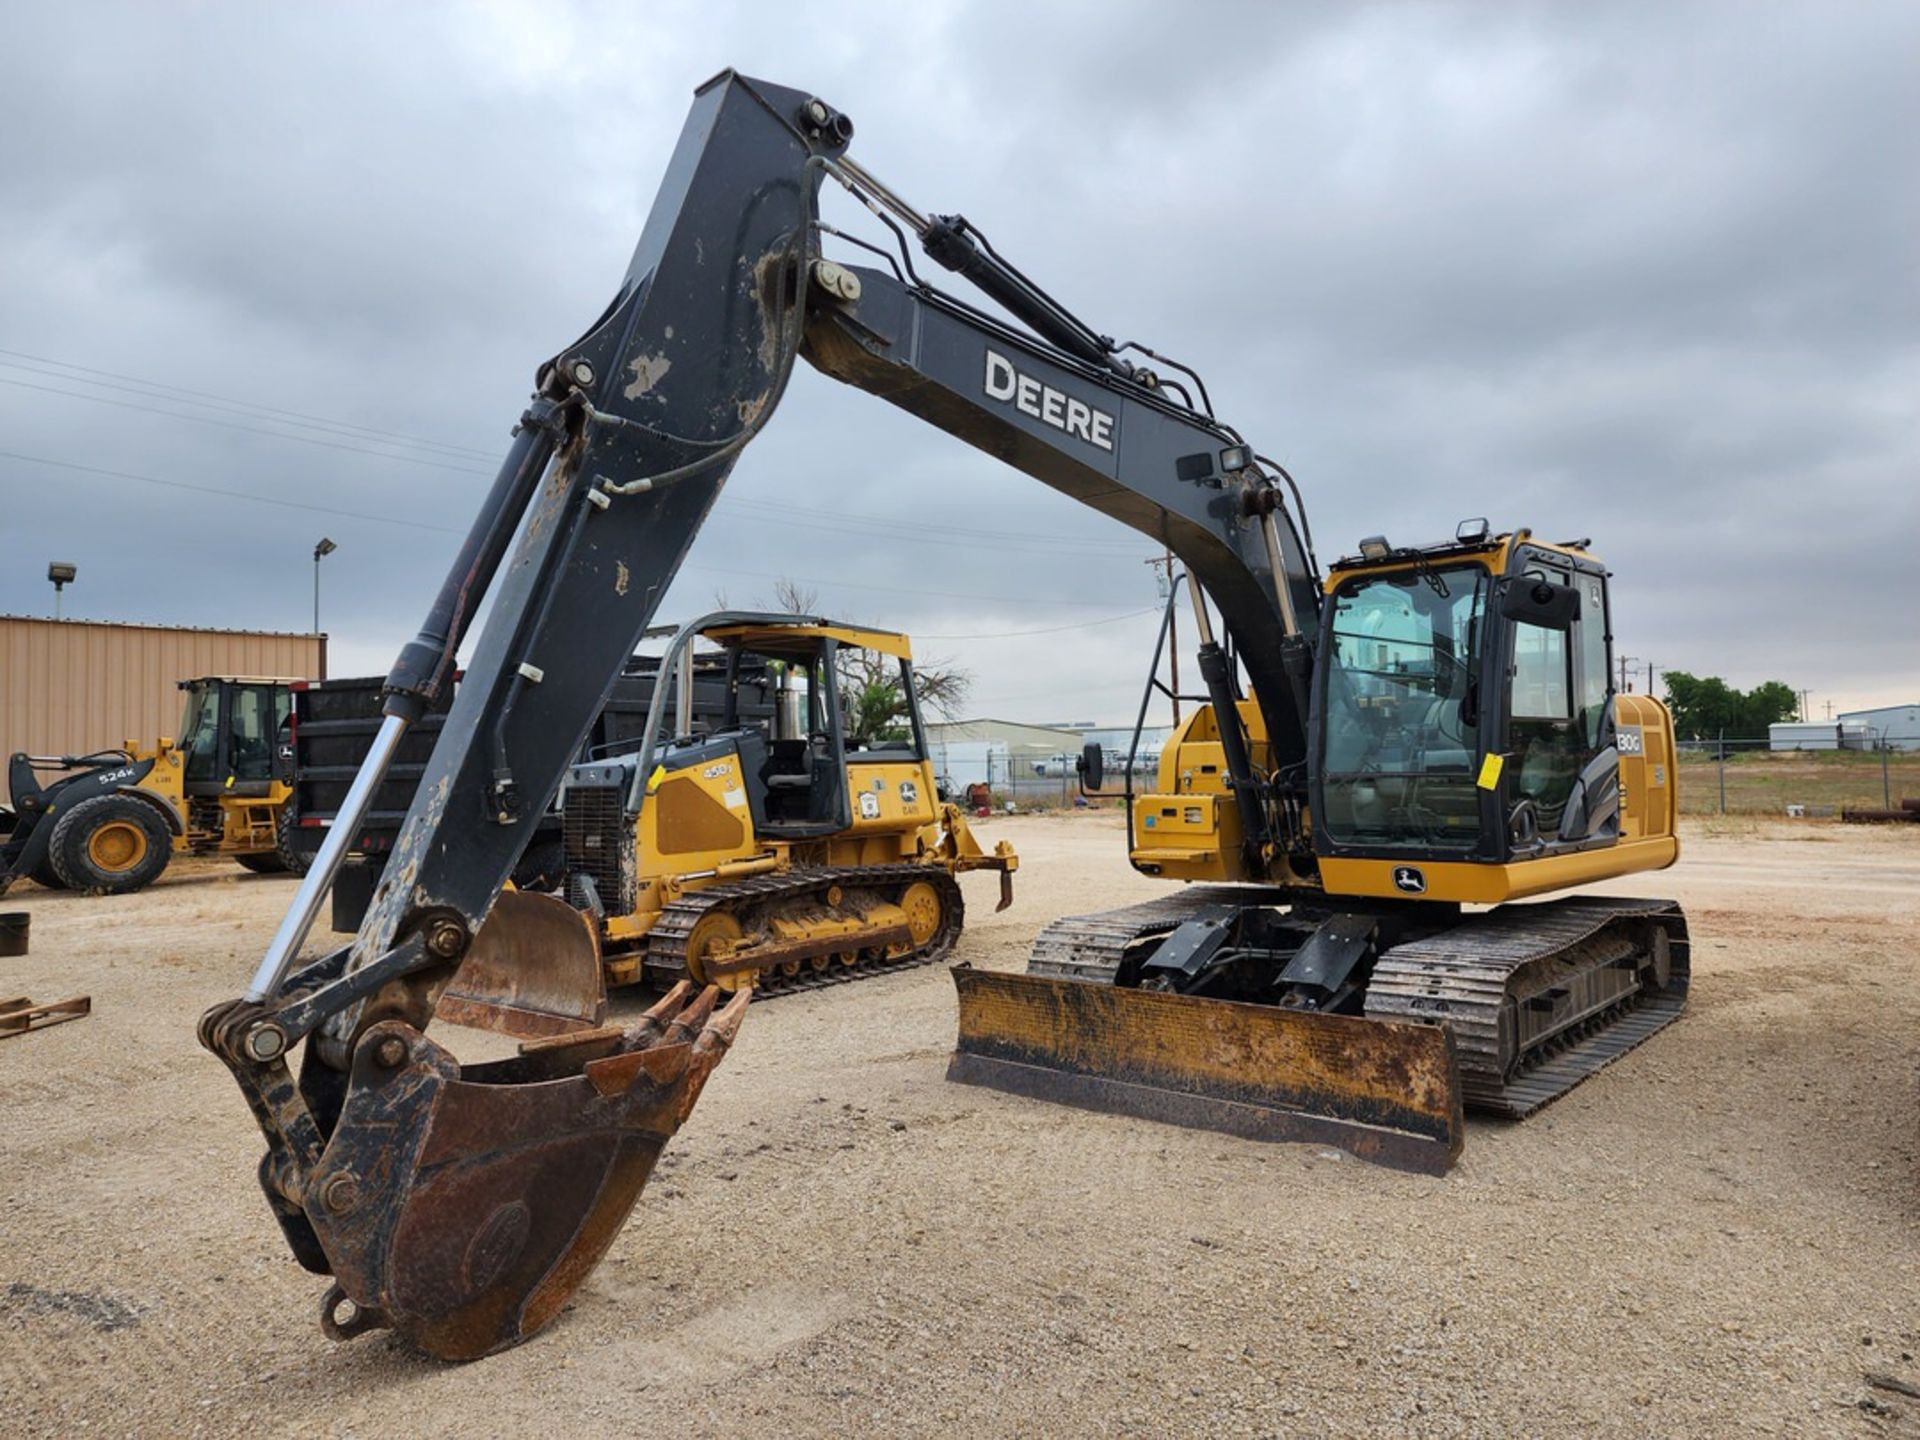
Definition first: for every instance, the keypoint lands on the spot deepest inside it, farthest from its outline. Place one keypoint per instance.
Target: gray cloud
(1641, 273)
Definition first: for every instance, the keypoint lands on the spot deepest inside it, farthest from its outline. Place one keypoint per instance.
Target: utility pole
(1804, 716)
(1626, 660)
(1164, 564)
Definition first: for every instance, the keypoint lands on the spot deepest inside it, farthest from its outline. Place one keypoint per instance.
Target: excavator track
(1538, 996)
(1093, 947)
(760, 897)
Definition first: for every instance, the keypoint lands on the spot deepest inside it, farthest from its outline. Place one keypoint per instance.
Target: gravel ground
(1716, 1236)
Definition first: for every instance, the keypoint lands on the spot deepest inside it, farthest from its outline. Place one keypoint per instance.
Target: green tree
(1705, 707)
(1766, 705)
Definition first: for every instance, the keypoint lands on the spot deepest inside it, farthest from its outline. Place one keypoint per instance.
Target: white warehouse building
(1898, 726)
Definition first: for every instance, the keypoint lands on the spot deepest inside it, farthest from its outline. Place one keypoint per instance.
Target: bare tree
(872, 701)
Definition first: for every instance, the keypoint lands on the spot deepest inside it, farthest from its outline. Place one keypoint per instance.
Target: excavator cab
(1469, 744)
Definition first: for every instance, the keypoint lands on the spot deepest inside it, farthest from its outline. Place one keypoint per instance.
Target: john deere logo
(1409, 879)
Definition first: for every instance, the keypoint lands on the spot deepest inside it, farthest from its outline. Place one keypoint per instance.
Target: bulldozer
(775, 849)
(1382, 751)
(113, 819)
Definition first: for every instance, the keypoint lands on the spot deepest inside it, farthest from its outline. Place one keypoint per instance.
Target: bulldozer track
(1538, 996)
(666, 947)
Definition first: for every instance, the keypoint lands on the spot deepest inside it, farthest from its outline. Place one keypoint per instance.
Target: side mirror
(1533, 601)
(1092, 767)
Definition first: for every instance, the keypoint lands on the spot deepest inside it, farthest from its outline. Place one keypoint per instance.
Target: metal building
(1804, 735)
(1898, 726)
(71, 686)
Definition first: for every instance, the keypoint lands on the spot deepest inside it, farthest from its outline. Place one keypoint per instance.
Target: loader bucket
(462, 1206)
(1386, 1091)
(532, 971)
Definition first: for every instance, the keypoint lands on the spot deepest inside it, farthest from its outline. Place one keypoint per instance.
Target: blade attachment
(1385, 1092)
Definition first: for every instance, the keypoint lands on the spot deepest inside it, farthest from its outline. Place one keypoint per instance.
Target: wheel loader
(773, 848)
(112, 821)
(1383, 750)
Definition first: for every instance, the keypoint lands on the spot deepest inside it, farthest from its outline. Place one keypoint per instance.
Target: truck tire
(110, 845)
(293, 860)
(262, 862)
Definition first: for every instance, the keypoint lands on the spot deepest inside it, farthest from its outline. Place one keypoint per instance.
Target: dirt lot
(1716, 1236)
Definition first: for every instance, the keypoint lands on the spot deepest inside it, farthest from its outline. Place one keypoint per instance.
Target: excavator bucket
(532, 971)
(461, 1206)
(1386, 1091)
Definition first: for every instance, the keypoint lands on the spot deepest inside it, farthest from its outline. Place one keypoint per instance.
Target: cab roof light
(1472, 532)
(1375, 547)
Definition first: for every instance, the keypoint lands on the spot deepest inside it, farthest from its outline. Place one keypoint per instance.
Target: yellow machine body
(232, 824)
(702, 879)
(1465, 748)
(1188, 827)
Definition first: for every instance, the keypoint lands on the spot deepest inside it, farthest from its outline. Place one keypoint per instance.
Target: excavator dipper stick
(461, 1205)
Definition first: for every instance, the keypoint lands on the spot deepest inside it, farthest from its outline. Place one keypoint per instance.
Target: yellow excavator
(778, 844)
(113, 819)
(1422, 729)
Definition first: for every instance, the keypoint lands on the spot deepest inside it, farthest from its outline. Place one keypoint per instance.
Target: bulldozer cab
(228, 734)
(839, 748)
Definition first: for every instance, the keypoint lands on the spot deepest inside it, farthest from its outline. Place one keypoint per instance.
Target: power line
(1050, 630)
(873, 528)
(449, 530)
(243, 406)
(825, 519)
(919, 528)
(838, 584)
(249, 429)
(227, 494)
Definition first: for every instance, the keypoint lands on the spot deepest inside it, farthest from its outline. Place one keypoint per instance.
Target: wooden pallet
(18, 1014)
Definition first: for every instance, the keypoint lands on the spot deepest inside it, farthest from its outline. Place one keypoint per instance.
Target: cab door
(1561, 770)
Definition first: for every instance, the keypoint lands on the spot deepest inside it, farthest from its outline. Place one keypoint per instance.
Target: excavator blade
(1387, 1092)
(532, 971)
(462, 1206)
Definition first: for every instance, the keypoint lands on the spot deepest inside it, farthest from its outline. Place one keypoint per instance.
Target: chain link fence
(1745, 776)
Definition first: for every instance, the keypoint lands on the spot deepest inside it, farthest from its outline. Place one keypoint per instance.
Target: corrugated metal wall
(70, 686)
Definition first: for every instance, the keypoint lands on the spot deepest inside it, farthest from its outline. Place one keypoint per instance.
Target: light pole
(325, 547)
(61, 573)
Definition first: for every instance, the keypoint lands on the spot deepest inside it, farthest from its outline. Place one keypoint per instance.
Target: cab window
(1593, 674)
(1556, 706)
(1402, 709)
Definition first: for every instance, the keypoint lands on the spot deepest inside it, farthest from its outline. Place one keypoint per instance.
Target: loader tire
(110, 845)
(44, 875)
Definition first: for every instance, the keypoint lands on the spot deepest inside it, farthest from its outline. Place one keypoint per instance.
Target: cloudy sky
(1639, 273)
